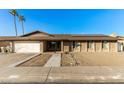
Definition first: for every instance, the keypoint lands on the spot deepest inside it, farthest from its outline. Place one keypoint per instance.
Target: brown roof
(86, 37)
(60, 37)
(34, 32)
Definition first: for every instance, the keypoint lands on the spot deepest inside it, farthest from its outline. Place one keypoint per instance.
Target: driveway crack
(48, 74)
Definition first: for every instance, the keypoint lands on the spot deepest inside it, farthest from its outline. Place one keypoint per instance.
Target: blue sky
(65, 21)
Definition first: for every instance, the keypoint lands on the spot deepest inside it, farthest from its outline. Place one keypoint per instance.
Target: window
(105, 44)
(75, 44)
(90, 44)
(120, 46)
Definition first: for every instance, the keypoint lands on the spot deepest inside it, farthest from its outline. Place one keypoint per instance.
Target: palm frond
(21, 18)
(13, 12)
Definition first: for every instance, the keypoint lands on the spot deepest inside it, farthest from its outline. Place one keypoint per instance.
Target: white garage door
(27, 47)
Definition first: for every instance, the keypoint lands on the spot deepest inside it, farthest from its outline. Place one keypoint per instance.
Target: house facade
(40, 42)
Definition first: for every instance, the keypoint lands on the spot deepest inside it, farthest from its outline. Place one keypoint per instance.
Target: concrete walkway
(54, 61)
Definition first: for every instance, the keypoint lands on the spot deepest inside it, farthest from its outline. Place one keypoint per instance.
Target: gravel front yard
(100, 59)
(93, 59)
(67, 60)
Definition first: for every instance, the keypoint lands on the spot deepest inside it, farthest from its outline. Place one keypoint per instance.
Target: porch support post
(61, 46)
(72, 46)
(12, 47)
(41, 47)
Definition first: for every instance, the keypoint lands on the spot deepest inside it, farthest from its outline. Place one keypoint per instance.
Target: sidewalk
(54, 61)
(84, 74)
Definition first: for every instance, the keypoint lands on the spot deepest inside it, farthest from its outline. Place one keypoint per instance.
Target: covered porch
(58, 46)
(52, 46)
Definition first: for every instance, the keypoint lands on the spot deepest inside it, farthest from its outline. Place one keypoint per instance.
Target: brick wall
(113, 47)
(98, 46)
(66, 45)
(84, 46)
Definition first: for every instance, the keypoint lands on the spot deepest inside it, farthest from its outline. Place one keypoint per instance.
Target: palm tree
(14, 13)
(22, 19)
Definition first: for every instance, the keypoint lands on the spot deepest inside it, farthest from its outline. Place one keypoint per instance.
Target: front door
(53, 46)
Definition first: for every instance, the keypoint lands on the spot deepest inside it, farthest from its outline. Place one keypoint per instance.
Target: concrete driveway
(9, 59)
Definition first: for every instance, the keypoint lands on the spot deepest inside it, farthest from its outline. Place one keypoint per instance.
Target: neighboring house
(120, 42)
(4, 45)
(39, 42)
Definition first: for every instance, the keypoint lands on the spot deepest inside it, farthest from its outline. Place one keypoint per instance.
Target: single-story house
(39, 42)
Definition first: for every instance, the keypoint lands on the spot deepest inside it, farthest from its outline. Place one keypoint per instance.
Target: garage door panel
(27, 47)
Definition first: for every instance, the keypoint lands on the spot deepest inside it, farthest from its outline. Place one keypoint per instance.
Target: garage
(27, 47)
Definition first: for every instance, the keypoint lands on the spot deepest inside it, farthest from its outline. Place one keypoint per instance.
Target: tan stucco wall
(98, 46)
(113, 46)
(66, 45)
(83, 46)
